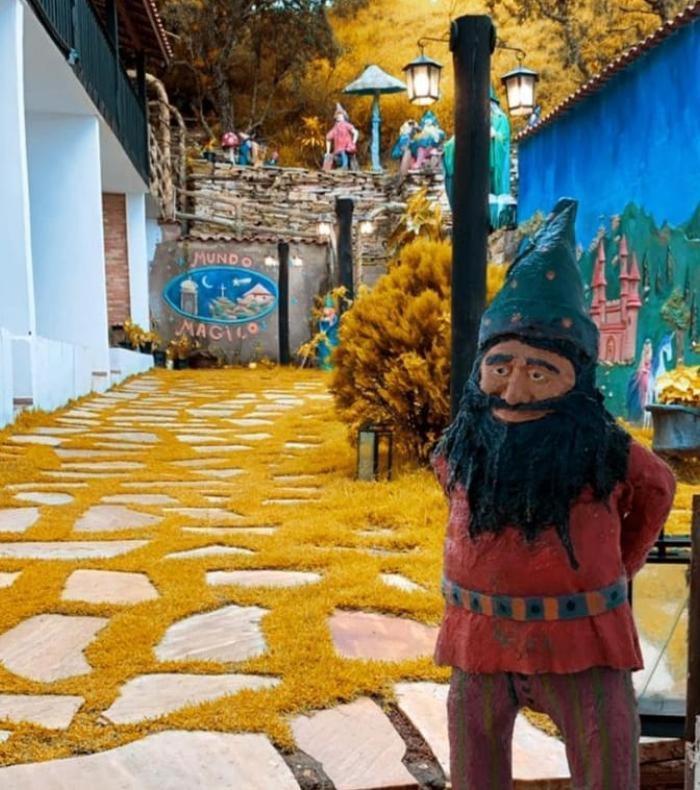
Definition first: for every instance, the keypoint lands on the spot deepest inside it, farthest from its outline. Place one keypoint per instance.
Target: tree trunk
(224, 100)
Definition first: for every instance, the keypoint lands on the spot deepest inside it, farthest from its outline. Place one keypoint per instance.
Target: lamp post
(472, 40)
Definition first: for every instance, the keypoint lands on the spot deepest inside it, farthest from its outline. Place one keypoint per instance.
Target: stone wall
(291, 202)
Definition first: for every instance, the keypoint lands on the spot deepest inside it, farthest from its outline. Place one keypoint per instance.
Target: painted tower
(188, 296)
(616, 319)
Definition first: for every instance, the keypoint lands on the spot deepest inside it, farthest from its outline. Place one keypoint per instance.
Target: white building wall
(16, 294)
(137, 246)
(67, 235)
(6, 387)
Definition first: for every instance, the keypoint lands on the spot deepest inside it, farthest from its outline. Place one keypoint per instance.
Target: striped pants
(595, 711)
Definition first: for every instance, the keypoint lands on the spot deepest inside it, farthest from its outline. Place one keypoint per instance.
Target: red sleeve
(651, 486)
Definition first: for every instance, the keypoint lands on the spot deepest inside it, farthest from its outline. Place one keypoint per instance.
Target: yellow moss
(323, 535)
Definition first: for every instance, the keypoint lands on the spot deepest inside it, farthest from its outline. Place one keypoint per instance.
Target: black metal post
(283, 303)
(692, 699)
(472, 41)
(343, 210)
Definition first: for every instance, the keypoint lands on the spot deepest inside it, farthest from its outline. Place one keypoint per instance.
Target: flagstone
(223, 473)
(215, 550)
(263, 578)
(319, 396)
(45, 485)
(102, 518)
(425, 704)
(206, 513)
(197, 438)
(118, 446)
(226, 531)
(18, 519)
(356, 745)
(294, 477)
(75, 475)
(96, 586)
(380, 636)
(68, 550)
(217, 500)
(8, 579)
(44, 498)
(79, 413)
(28, 438)
(66, 453)
(250, 421)
(397, 580)
(208, 448)
(47, 710)
(380, 532)
(4, 735)
(174, 760)
(49, 647)
(231, 633)
(151, 696)
(104, 466)
(51, 430)
(301, 445)
(129, 436)
(300, 489)
(376, 552)
(139, 499)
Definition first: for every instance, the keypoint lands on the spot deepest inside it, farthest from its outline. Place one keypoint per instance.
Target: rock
(380, 636)
(117, 587)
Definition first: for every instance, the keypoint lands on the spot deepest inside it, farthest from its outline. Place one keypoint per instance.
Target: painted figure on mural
(341, 143)
(553, 509)
(640, 388)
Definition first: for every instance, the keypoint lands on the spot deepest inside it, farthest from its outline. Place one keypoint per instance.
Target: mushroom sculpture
(373, 82)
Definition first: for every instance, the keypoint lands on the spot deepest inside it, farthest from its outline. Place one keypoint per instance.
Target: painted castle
(616, 319)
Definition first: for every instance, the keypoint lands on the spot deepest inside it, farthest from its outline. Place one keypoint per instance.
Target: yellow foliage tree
(393, 362)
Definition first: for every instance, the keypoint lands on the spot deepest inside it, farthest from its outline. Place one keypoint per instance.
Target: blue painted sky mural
(221, 295)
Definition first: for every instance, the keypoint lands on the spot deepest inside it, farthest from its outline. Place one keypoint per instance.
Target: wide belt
(538, 607)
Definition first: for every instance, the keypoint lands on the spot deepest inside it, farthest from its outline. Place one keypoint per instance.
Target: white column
(16, 294)
(138, 258)
(67, 234)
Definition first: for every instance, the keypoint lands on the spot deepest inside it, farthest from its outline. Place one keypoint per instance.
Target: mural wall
(630, 154)
(225, 295)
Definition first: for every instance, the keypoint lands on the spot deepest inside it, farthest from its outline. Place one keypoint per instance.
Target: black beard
(529, 474)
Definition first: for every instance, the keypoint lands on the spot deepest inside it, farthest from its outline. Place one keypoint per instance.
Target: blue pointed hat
(543, 297)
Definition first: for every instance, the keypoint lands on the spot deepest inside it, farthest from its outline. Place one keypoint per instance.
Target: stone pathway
(142, 584)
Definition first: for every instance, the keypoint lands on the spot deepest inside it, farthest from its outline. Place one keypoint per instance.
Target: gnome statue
(553, 509)
(341, 142)
(328, 326)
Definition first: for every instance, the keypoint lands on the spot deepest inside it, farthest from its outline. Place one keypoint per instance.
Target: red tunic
(609, 539)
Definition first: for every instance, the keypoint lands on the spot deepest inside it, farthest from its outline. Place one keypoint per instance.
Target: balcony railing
(77, 30)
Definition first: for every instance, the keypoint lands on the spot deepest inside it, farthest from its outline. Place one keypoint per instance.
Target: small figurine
(229, 143)
(420, 144)
(406, 134)
(208, 151)
(328, 325)
(341, 142)
(247, 149)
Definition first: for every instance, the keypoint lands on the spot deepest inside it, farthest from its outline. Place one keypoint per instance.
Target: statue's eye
(537, 375)
(501, 370)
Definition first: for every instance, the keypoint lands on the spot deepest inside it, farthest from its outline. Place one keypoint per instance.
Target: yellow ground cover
(319, 536)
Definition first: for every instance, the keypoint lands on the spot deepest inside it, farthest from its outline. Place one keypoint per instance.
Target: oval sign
(221, 295)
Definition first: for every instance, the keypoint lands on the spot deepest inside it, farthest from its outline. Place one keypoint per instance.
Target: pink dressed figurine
(341, 142)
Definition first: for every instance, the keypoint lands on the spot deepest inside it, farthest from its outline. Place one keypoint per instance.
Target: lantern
(270, 261)
(296, 260)
(375, 447)
(367, 227)
(520, 90)
(423, 80)
(325, 228)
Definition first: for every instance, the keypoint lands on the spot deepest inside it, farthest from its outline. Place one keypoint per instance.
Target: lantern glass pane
(513, 94)
(421, 82)
(527, 93)
(366, 444)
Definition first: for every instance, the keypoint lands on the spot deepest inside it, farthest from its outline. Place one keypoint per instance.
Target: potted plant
(676, 416)
(179, 351)
(148, 342)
